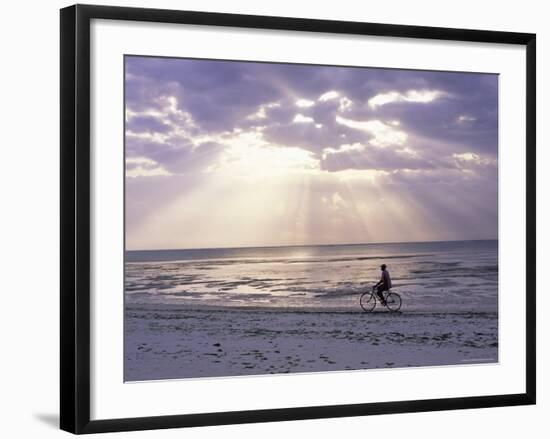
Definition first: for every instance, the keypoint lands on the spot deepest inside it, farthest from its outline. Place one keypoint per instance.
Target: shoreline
(299, 310)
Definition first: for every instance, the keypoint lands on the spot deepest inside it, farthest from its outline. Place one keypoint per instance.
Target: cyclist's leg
(379, 292)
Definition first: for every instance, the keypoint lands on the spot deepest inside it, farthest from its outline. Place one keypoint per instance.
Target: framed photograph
(268, 218)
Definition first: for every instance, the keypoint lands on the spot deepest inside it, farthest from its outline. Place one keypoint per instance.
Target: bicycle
(369, 298)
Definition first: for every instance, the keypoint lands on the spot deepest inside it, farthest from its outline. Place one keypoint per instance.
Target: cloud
(174, 154)
(174, 124)
(368, 157)
(476, 164)
(329, 95)
(382, 134)
(466, 157)
(222, 95)
(147, 124)
(344, 104)
(304, 103)
(302, 119)
(418, 96)
(465, 118)
(261, 113)
(144, 167)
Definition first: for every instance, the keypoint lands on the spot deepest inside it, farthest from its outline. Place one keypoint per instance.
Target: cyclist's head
(383, 267)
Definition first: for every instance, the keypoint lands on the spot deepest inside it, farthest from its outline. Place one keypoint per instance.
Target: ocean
(450, 276)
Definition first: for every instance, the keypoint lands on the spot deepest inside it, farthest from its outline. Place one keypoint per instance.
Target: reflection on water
(440, 276)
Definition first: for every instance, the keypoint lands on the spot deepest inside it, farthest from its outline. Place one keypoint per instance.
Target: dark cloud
(221, 94)
(177, 156)
(147, 124)
(217, 97)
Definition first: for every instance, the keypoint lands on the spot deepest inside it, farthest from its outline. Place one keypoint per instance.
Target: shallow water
(452, 276)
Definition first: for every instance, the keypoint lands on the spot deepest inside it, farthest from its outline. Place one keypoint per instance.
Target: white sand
(165, 341)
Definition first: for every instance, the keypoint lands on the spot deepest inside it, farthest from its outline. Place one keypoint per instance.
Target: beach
(166, 342)
(250, 311)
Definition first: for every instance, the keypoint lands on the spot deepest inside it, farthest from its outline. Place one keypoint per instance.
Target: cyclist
(384, 284)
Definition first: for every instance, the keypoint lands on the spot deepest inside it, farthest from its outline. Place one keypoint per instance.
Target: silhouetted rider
(384, 284)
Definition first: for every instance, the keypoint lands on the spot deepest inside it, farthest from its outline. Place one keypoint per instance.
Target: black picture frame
(75, 217)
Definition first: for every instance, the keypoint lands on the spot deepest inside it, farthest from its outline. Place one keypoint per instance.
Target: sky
(239, 154)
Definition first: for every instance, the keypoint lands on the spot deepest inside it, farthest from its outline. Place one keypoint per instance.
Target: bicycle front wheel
(367, 301)
(393, 302)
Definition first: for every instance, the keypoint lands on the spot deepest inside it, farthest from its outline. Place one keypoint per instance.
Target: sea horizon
(309, 245)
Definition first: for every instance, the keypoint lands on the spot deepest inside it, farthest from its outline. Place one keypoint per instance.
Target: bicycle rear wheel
(393, 302)
(367, 301)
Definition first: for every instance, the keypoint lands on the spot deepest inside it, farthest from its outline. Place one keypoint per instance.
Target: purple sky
(222, 153)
